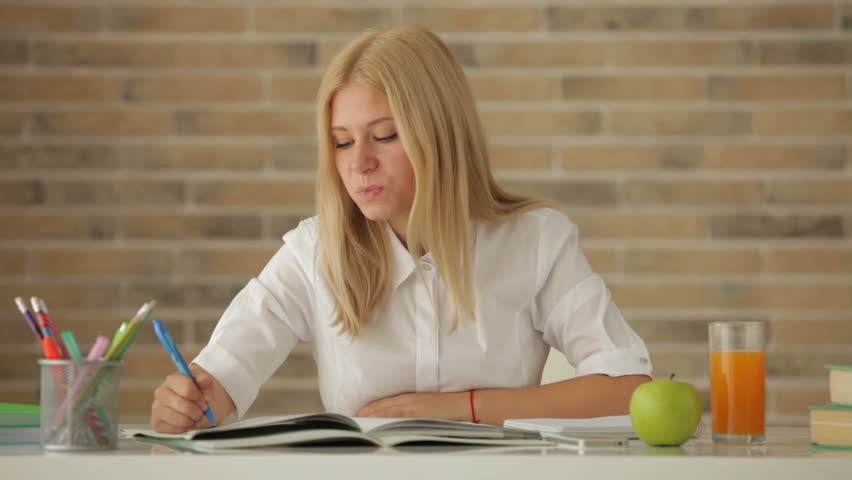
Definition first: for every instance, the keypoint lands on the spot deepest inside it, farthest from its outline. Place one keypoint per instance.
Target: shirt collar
(402, 263)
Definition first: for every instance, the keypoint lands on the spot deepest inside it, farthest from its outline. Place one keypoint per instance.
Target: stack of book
(831, 424)
(19, 423)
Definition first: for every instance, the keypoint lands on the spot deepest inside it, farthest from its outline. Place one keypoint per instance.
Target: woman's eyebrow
(369, 124)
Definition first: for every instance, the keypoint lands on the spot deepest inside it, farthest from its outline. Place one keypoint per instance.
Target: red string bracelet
(472, 410)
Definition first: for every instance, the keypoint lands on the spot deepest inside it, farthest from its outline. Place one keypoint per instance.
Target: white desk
(786, 455)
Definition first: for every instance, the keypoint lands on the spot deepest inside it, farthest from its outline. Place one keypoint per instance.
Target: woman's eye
(386, 139)
(343, 144)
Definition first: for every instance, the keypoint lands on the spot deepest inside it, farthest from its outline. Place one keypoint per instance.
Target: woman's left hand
(444, 406)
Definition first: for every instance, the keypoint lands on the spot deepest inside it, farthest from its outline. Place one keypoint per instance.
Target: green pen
(77, 356)
(119, 333)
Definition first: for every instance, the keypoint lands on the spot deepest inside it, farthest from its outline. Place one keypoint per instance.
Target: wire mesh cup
(79, 404)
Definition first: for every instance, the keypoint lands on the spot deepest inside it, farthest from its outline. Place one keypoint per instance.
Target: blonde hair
(438, 125)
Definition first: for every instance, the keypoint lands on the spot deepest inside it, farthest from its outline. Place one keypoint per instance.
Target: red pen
(51, 351)
(46, 324)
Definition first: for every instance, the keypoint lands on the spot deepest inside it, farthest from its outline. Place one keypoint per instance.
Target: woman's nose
(364, 161)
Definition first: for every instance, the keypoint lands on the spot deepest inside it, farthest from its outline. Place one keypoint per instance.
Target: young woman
(424, 288)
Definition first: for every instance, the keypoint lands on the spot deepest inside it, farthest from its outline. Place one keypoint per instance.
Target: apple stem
(672, 377)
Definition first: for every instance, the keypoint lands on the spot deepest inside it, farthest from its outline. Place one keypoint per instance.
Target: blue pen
(169, 344)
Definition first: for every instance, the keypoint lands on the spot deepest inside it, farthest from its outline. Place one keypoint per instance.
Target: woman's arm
(579, 397)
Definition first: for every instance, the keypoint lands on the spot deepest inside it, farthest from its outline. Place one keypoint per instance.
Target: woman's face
(370, 159)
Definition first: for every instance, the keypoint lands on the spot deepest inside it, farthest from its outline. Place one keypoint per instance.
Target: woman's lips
(371, 191)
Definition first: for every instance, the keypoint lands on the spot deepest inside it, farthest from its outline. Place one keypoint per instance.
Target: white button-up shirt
(534, 289)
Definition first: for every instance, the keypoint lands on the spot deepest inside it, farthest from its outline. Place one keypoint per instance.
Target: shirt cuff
(616, 363)
(234, 378)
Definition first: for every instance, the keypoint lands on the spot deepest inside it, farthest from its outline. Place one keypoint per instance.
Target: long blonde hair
(437, 122)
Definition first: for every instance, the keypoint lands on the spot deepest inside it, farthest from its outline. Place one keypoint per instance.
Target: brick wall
(159, 149)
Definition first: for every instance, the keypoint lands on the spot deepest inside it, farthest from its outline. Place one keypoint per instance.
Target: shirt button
(427, 267)
(643, 360)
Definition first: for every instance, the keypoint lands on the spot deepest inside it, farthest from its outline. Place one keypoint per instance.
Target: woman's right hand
(179, 404)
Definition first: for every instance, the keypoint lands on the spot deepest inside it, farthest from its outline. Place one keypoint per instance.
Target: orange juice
(738, 392)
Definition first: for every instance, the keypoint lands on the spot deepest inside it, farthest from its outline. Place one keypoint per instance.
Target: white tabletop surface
(786, 455)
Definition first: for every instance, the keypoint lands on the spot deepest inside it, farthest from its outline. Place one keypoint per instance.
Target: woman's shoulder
(543, 221)
(305, 230)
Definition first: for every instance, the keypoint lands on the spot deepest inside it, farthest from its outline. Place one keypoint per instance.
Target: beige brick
(603, 260)
(66, 295)
(231, 261)
(811, 121)
(28, 396)
(137, 401)
(13, 262)
(67, 225)
(532, 54)
(541, 122)
(639, 225)
(797, 399)
(71, 157)
(19, 366)
(11, 123)
(21, 192)
(47, 18)
(805, 52)
(268, 193)
(234, 54)
(619, 18)
(625, 156)
(281, 224)
(103, 122)
(846, 17)
(681, 364)
(570, 193)
(806, 16)
(176, 19)
(812, 191)
(194, 157)
(286, 402)
(776, 226)
(639, 294)
(774, 157)
(656, 330)
(812, 331)
(691, 122)
(631, 87)
(694, 192)
(13, 51)
(520, 156)
(152, 362)
(57, 88)
(102, 261)
(682, 53)
(803, 364)
(302, 88)
(193, 88)
(784, 296)
(227, 122)
(513, 87)
(189, 226)
(319, 19)
(692, 260)
(776, 87)
(809, 260)
(294, 157)
(121, 192)
(474, 19)
(212, 295)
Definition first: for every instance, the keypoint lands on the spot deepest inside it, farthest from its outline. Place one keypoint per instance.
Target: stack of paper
(616, 425)
(19, 423)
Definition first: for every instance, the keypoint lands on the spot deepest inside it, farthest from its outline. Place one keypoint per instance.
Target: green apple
(665, 412)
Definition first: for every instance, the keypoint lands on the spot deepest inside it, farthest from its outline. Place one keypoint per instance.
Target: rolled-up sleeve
(260, 327)
(576, 313)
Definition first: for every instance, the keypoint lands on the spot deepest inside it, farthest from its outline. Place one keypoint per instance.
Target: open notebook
(334, 429)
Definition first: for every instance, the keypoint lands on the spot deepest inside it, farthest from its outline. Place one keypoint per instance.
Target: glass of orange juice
(738, 381)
